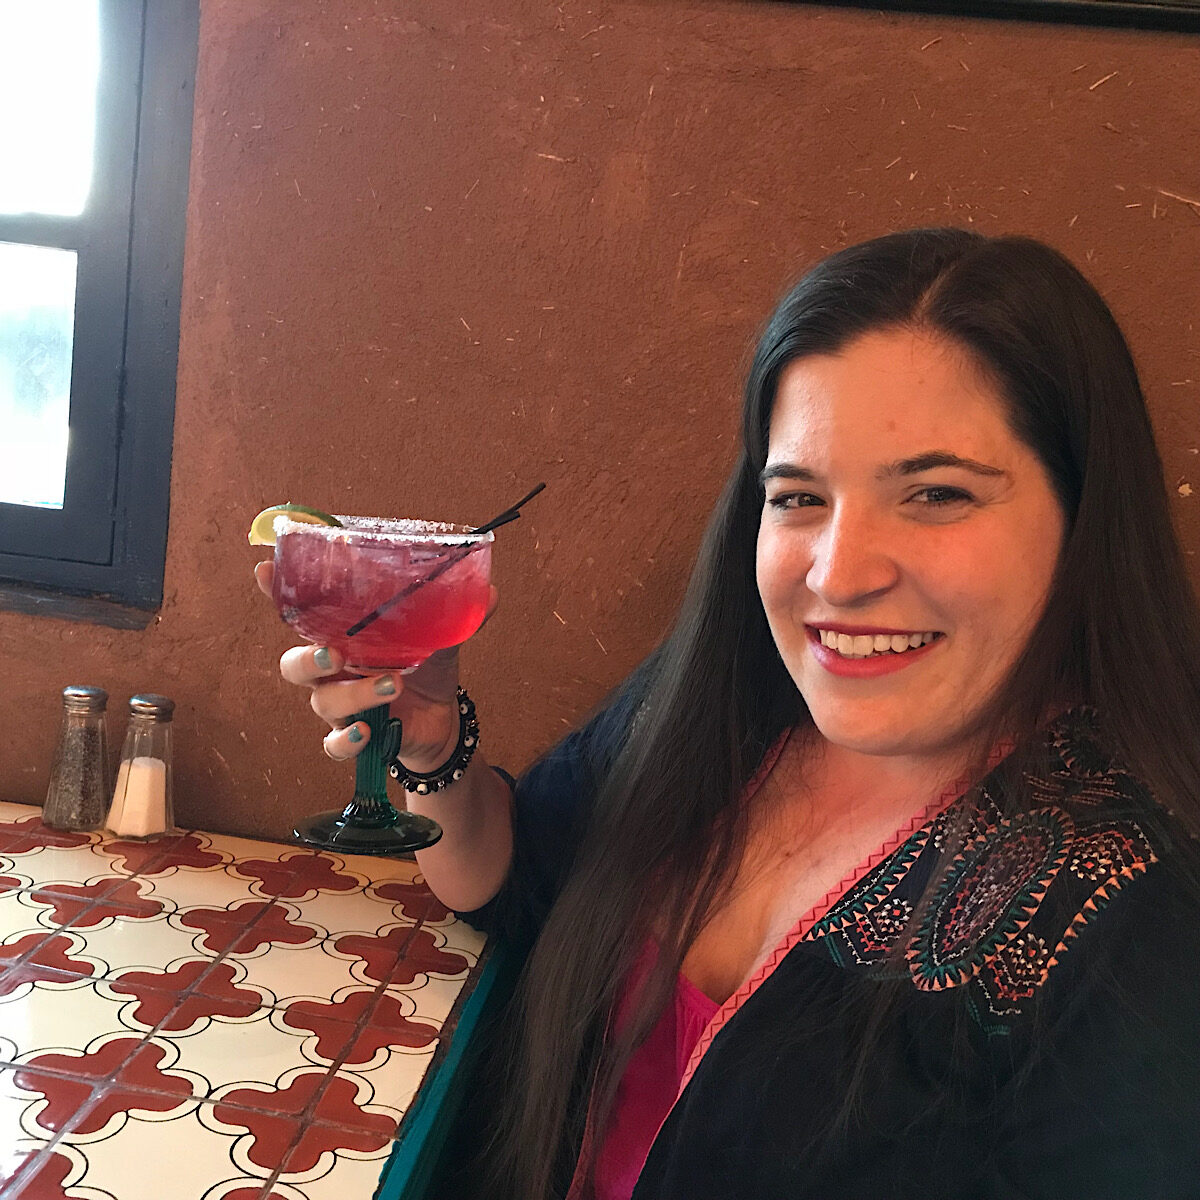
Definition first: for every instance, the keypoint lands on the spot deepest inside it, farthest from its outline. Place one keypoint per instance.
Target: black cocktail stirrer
(509, 514)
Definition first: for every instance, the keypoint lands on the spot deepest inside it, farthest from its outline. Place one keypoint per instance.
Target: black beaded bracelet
(453, 769)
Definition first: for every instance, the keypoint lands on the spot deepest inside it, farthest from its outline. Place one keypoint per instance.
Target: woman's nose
(853, 562)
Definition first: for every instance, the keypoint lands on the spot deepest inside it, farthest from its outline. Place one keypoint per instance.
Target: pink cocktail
(386, 594)
(429, 584)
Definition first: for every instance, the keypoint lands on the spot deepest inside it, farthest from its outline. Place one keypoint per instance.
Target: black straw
(509, 514)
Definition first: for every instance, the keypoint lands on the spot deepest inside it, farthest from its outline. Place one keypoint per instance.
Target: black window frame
(101, 557)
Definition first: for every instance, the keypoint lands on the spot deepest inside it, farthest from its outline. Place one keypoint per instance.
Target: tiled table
(210, 1018)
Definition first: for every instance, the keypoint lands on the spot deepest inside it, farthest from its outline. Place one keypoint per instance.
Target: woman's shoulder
(1063, 885)
(1085, 871)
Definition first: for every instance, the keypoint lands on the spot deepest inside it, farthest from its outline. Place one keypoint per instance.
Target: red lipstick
(863, 668)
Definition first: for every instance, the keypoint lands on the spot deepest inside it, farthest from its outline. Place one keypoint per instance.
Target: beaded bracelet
(453, 769)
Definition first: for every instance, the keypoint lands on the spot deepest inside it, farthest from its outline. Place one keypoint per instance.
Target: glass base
(332, 831)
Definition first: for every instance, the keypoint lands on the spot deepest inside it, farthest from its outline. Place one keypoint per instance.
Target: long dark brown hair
(1120, 631)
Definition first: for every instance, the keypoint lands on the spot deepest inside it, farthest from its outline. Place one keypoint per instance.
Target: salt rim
(385, 529)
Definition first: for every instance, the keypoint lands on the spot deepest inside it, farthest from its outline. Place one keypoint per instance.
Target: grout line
(16, 1185)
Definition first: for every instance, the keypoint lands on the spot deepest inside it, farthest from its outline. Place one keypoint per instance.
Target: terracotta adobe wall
(435, 257)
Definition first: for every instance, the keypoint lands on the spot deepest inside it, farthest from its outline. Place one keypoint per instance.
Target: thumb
(264, 576)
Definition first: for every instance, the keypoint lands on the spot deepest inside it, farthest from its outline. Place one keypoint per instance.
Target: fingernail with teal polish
(354, 734)
(322, 658)
(385, 685)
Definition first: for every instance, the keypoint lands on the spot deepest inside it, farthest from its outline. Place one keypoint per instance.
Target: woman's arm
(469, 865)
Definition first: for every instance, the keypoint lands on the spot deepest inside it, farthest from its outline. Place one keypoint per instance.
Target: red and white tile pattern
(209, 1017)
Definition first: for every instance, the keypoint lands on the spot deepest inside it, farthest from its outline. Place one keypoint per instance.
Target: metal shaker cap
(79, 699)
(152, 706)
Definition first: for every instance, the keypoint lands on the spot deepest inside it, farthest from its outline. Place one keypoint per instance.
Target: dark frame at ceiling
(1180, 16)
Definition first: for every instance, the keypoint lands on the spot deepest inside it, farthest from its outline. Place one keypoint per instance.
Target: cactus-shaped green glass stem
(369, 824)
(370, 805)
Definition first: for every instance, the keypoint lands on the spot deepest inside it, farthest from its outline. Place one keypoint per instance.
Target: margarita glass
(386, 594)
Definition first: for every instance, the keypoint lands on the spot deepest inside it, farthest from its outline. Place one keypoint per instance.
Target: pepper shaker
(141, 804)
(78, 792)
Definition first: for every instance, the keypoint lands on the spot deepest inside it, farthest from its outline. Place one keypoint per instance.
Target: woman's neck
(832, 782)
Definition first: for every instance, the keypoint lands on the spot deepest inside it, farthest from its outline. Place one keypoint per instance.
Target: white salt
(139, 807)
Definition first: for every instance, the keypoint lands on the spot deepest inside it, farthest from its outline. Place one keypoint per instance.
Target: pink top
(651, 1082)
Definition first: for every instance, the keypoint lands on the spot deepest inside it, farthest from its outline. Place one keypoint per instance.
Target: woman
(876, 878)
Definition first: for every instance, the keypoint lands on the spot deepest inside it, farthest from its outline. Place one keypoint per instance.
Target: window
(95, 124)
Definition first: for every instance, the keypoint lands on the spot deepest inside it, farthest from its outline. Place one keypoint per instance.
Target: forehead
(889, 393)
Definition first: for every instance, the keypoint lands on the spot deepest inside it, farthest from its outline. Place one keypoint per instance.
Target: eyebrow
(932, 459)
(929, 461)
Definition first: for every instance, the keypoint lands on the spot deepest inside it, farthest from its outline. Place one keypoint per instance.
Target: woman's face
(907, 542)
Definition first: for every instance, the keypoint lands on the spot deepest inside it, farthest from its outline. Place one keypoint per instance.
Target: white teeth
(864, 645)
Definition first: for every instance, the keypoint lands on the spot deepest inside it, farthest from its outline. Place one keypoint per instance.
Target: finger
(264, 575)
(308, 665)
(341, 744)
(334, 702)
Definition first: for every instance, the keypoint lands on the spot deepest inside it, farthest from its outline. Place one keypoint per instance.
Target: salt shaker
(78, 792)
(141, 803)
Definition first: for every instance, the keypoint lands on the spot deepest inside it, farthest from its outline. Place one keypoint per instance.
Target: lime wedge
(262, 528)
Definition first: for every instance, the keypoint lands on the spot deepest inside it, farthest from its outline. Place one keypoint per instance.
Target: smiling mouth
(866, 645)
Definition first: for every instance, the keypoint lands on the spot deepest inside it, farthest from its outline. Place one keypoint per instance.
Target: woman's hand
(424, 700)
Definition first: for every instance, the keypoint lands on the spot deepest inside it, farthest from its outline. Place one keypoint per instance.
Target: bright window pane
(49, 61)
(37, 319)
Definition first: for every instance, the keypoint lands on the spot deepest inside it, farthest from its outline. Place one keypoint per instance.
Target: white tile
(191, 887)
(357, 912)
(47, 865)
(14, 812)
(432, 998)
(166, 1153)
(377, 868)
(239, 847)
(254, 1050)
(286, 973)
(461, 938)
(64, 1019)
(125, 944)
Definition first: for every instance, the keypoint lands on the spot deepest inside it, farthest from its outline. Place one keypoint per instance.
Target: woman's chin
(874, 734)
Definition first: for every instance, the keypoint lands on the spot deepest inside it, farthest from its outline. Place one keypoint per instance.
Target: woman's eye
(941, 496)
(788, 500)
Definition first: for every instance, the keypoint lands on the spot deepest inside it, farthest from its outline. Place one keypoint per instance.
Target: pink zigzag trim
(799, 931)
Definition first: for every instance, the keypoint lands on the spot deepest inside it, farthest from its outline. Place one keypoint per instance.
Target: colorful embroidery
(992, 889)
(1019, 889)
(858, 906)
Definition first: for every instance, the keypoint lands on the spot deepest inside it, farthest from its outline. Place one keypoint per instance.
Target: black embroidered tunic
(1042, 1039)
